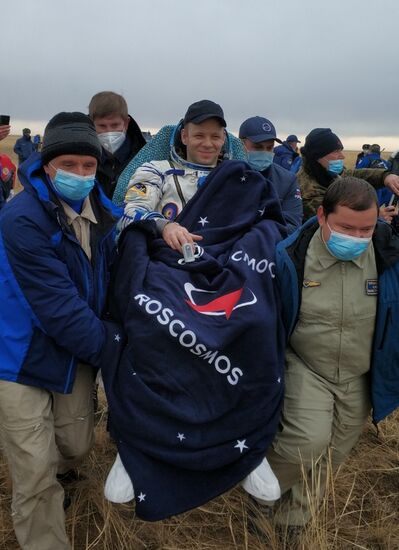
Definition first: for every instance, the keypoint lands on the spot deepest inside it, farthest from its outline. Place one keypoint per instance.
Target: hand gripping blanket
(195, 399)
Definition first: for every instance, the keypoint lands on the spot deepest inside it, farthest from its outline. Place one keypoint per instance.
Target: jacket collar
(326, 259)
(385, 241)
(34, 180)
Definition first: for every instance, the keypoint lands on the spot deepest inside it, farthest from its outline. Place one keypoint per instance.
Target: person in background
(37, 142)
(373, 159)
(119, 135)
(340, 275)
(57, 242)
(323, 162)
(286, 154)
(365, 151)
(258, 135)
(24, 146)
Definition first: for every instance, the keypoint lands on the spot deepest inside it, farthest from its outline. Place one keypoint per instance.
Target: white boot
(118, 486)
(262, 483)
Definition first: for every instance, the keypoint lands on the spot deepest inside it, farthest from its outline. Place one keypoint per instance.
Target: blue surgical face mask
(260, 160)
(72, 186)
(345, 247)
(336, 166)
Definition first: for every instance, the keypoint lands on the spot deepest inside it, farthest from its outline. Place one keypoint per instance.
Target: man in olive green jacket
(323, 162)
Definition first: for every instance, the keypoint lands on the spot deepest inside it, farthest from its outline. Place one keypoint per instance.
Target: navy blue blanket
(195, 399)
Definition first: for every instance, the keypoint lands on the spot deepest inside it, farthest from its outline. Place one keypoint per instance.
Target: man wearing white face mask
(56, 246)
(340, 275)
(258, 135)
(119, 135)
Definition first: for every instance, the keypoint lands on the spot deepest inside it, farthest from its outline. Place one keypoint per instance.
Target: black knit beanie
(70, 134)
(320, 142)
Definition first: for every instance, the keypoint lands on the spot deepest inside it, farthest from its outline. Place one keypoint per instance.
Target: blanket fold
(195, 399)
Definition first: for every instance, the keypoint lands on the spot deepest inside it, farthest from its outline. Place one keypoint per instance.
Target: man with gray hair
(56, 246)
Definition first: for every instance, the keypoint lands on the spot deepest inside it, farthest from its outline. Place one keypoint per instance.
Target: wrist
(169, 223)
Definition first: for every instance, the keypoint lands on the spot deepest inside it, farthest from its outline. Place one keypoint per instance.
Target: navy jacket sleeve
(17, 148)
(51, 294)
(286, 161)
(283, 156)
(291, 205)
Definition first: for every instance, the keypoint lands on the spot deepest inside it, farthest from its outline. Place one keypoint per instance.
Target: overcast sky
(302, 64)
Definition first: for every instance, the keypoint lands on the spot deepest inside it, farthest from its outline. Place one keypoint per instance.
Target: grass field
(361, 510)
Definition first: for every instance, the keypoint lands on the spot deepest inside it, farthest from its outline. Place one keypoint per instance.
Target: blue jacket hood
(34, 180)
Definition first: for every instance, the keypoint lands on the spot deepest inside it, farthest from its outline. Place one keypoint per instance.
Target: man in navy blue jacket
(258, 135)
(24, 146)
(56, 246)
(286, 153)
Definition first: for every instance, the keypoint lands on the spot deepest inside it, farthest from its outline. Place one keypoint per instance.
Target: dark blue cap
(258, 129)
(203, 110)
(292, 137)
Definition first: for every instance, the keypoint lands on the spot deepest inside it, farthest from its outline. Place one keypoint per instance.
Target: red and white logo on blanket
(222, 305)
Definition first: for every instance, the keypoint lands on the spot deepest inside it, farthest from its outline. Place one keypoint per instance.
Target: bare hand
(392, 182)
(388, 213)
(4, 131)
(175, 235)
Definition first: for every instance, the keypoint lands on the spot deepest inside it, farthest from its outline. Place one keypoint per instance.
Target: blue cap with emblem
(257, 129)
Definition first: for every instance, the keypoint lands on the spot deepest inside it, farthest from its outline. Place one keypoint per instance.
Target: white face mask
(111, 141)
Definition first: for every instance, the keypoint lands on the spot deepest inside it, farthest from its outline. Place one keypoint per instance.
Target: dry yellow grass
(361, 510)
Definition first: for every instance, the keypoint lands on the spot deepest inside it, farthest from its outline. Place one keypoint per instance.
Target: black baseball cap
(203, 110)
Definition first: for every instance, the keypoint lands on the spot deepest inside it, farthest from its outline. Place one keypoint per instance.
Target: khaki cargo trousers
(321, 423)
(44, 434)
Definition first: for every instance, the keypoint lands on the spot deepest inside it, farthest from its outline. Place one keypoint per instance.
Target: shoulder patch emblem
(170, 210)
(136, 189)
(140, 188)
